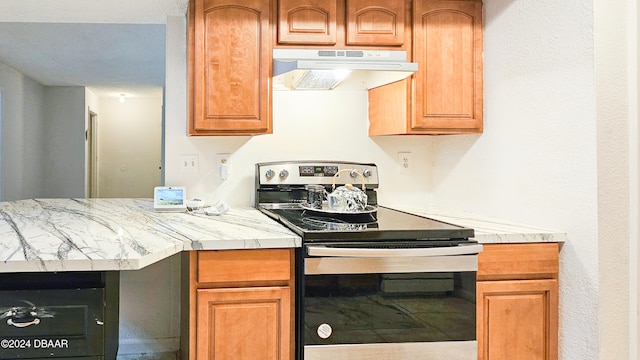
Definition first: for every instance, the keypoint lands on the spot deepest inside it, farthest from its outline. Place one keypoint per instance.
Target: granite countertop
(491, 231)
(126, 234)
(121, 234)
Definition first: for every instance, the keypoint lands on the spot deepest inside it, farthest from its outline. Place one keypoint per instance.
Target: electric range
(376, 282)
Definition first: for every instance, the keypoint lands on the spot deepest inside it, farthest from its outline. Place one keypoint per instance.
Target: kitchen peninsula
(68, 254)
(41, 235)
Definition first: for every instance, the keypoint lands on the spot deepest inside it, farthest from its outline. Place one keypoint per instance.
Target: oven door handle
(321, 250)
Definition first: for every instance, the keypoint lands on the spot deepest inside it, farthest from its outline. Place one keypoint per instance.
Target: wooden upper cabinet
(375, 22)
(307, 22)
(447, 46)
(343, 23)
(445, 95)
(230, 67)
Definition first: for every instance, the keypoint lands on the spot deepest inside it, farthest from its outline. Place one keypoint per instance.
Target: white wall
(64, 142)
(1, 91)
(12, 112)
(21, 165)
(150, 309)
(42, 138)
(634, 175)
(613, 112)
(129, 146)
(307, 125)
(34, 127)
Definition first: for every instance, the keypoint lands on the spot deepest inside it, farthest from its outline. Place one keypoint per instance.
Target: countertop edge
(491, 231)
(142, 262)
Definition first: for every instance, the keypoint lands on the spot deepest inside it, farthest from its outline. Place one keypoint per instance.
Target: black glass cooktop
(384, 224)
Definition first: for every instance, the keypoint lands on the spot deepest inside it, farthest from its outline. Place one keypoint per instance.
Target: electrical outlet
(223, 165)
(189, 164)
(405, 162)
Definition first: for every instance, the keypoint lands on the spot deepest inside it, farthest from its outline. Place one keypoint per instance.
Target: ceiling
(112, 47)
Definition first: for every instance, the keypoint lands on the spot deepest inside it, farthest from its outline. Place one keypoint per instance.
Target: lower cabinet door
(244, 324)
(517, 319)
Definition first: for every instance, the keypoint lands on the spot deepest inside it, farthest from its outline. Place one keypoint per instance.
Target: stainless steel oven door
(390, 304)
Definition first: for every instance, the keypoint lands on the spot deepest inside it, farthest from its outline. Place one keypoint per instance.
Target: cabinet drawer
(518, 261)
(244, 265)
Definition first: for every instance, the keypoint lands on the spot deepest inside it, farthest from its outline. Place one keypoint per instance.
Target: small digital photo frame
(169, 198)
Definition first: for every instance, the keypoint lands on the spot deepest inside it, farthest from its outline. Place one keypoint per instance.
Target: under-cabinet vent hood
(310, 69)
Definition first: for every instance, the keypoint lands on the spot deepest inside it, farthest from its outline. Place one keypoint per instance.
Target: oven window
(389, 308)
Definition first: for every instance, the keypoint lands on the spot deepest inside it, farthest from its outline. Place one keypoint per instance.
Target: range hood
(310, 69)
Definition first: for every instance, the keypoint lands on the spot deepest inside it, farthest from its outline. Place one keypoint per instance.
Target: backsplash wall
(307, 125)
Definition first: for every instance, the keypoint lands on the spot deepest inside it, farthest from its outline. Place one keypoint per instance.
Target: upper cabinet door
(307, 22)
(375, 22)
(448, 49)
(231, 64)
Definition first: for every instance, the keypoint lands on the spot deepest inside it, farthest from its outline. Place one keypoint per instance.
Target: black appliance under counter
(59, 315)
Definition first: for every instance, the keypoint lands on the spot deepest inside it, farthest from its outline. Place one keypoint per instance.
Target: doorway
(92, 137)
(130, 147)
(124, 145)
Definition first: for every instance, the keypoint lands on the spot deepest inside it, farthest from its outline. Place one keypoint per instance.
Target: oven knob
(365, 173)
(283, 174)
(270, 174)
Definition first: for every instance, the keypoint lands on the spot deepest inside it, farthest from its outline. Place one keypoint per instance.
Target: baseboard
(153, 356)
(148, 346)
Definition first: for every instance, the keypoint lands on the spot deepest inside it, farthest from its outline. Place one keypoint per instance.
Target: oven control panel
(316, 172)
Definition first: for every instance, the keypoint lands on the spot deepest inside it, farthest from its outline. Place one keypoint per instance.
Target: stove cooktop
(386, 224)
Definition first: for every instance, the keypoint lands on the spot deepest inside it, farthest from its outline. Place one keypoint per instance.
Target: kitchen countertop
(121, 234)
(491, 231)
(126, 234)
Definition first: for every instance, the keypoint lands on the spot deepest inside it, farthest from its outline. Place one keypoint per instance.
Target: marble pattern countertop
(121, 234)
(491, 231)
(126, 234)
